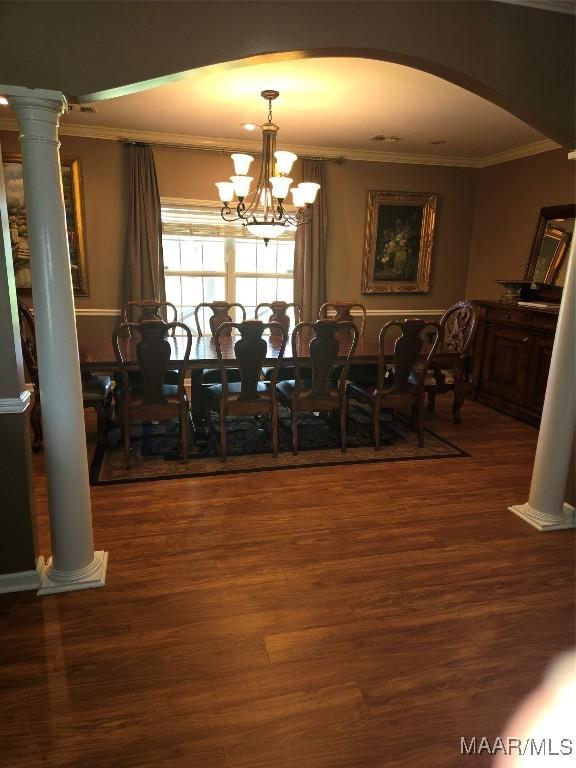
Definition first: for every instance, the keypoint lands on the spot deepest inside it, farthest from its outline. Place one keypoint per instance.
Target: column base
(22, 580)
(543, 521)
(94, 575)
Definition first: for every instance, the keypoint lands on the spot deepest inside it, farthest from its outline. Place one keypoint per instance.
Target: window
(207, 259)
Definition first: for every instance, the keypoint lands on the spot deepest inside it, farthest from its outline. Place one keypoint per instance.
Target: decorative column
(74, 564)
(546, 508)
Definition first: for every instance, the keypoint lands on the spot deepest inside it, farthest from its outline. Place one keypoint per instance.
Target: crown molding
(177, 140)
(517, 153)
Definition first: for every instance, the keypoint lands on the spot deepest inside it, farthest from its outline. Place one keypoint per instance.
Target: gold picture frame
(71, 183)
(398, 242)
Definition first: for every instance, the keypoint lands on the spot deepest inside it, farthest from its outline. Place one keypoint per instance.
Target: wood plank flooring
(361, 616)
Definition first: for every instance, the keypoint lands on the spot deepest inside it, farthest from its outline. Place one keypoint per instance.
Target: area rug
(157, 456)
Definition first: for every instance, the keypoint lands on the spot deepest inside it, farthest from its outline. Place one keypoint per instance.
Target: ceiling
(334, 105)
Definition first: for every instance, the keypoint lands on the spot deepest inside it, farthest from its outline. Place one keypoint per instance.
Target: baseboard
(22, 581)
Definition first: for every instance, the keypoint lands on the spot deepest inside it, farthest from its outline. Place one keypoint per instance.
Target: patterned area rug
(157, 455)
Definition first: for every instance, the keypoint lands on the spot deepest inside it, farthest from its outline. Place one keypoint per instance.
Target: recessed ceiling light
(3, 100)
(386, 139)
(438, 141)
(249, 126)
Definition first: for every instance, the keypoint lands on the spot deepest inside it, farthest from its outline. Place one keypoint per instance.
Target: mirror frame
(547, 214)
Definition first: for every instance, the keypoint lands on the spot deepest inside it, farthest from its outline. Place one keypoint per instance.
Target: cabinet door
(505, 363)
(538, 372)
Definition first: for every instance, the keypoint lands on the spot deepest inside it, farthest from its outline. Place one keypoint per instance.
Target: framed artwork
(19, 227)
(398, 242)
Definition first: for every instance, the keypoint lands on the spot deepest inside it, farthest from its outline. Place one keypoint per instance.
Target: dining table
(99, 356)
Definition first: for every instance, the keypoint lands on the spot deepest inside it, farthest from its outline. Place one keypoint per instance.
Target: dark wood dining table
(99, 356)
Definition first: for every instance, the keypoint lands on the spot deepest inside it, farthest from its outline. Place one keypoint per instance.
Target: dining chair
(150, 311)
(398, 382)
(343, 311)
(317, 392)
(249, 396)
(279, 311)
(96, 390)
(220, 314)
(156, 400)
(449, 360)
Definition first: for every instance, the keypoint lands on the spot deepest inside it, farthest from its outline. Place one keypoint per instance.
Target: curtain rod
(217, 150)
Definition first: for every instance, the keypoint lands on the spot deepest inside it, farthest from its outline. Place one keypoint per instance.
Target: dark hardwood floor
(360, 616)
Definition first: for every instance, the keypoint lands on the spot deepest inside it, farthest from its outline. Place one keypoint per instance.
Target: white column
(546, 508)
(74, 564)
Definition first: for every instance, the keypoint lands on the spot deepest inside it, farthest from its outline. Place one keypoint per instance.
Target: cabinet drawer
(528, 318)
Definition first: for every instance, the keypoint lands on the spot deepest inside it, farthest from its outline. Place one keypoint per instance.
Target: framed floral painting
(12, 166)
(398, 242)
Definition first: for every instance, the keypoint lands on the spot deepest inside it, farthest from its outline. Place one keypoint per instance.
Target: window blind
(203, 220)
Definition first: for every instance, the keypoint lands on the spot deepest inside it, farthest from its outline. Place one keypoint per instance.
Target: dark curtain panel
(144, 265)
(310, 251)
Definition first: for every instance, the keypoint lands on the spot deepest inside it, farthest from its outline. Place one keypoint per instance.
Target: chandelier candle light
(262, 209)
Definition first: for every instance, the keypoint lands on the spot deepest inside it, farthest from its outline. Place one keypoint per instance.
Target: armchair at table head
(450, 355)
(154, 399)
(248, 396)
(220, 314)
(398, 382)
(343, 310)
(315, 390)
(96, 390)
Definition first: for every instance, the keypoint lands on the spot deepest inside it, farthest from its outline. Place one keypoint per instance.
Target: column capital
(37, 111)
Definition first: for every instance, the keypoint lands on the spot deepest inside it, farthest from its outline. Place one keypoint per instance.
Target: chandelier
(262, 209)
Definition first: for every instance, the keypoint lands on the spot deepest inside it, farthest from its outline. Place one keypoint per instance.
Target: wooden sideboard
(512, 358)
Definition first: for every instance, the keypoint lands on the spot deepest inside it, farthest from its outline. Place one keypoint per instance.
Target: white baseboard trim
(22, 581)
(98, 312)
(18, 404)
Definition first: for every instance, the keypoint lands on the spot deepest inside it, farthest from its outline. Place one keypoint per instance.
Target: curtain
(144, 262)
(310, 249)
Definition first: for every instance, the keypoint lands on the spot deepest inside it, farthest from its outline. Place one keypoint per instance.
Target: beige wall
(347, 188)
(486, 219)
(104, 193)
(508, 205)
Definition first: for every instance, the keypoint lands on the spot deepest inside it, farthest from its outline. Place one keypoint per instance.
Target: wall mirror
(549, 254)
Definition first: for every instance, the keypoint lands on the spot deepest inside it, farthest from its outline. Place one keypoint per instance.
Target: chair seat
(213, 393)
(95, 389)
(137, 380)
(169, 391)
(286, 390)
(430, 380)
(212, 375)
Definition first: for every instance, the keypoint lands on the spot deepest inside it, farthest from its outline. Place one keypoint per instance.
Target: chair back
(28, 339)
(407, 349)
(457, 329)
(220, 314)
(324, 350)
(150, 311)
(250, 351)
(343, 310)
(153, 353)
(279, 310)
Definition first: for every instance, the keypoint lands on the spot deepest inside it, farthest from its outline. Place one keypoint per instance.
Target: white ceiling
(329, 103)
